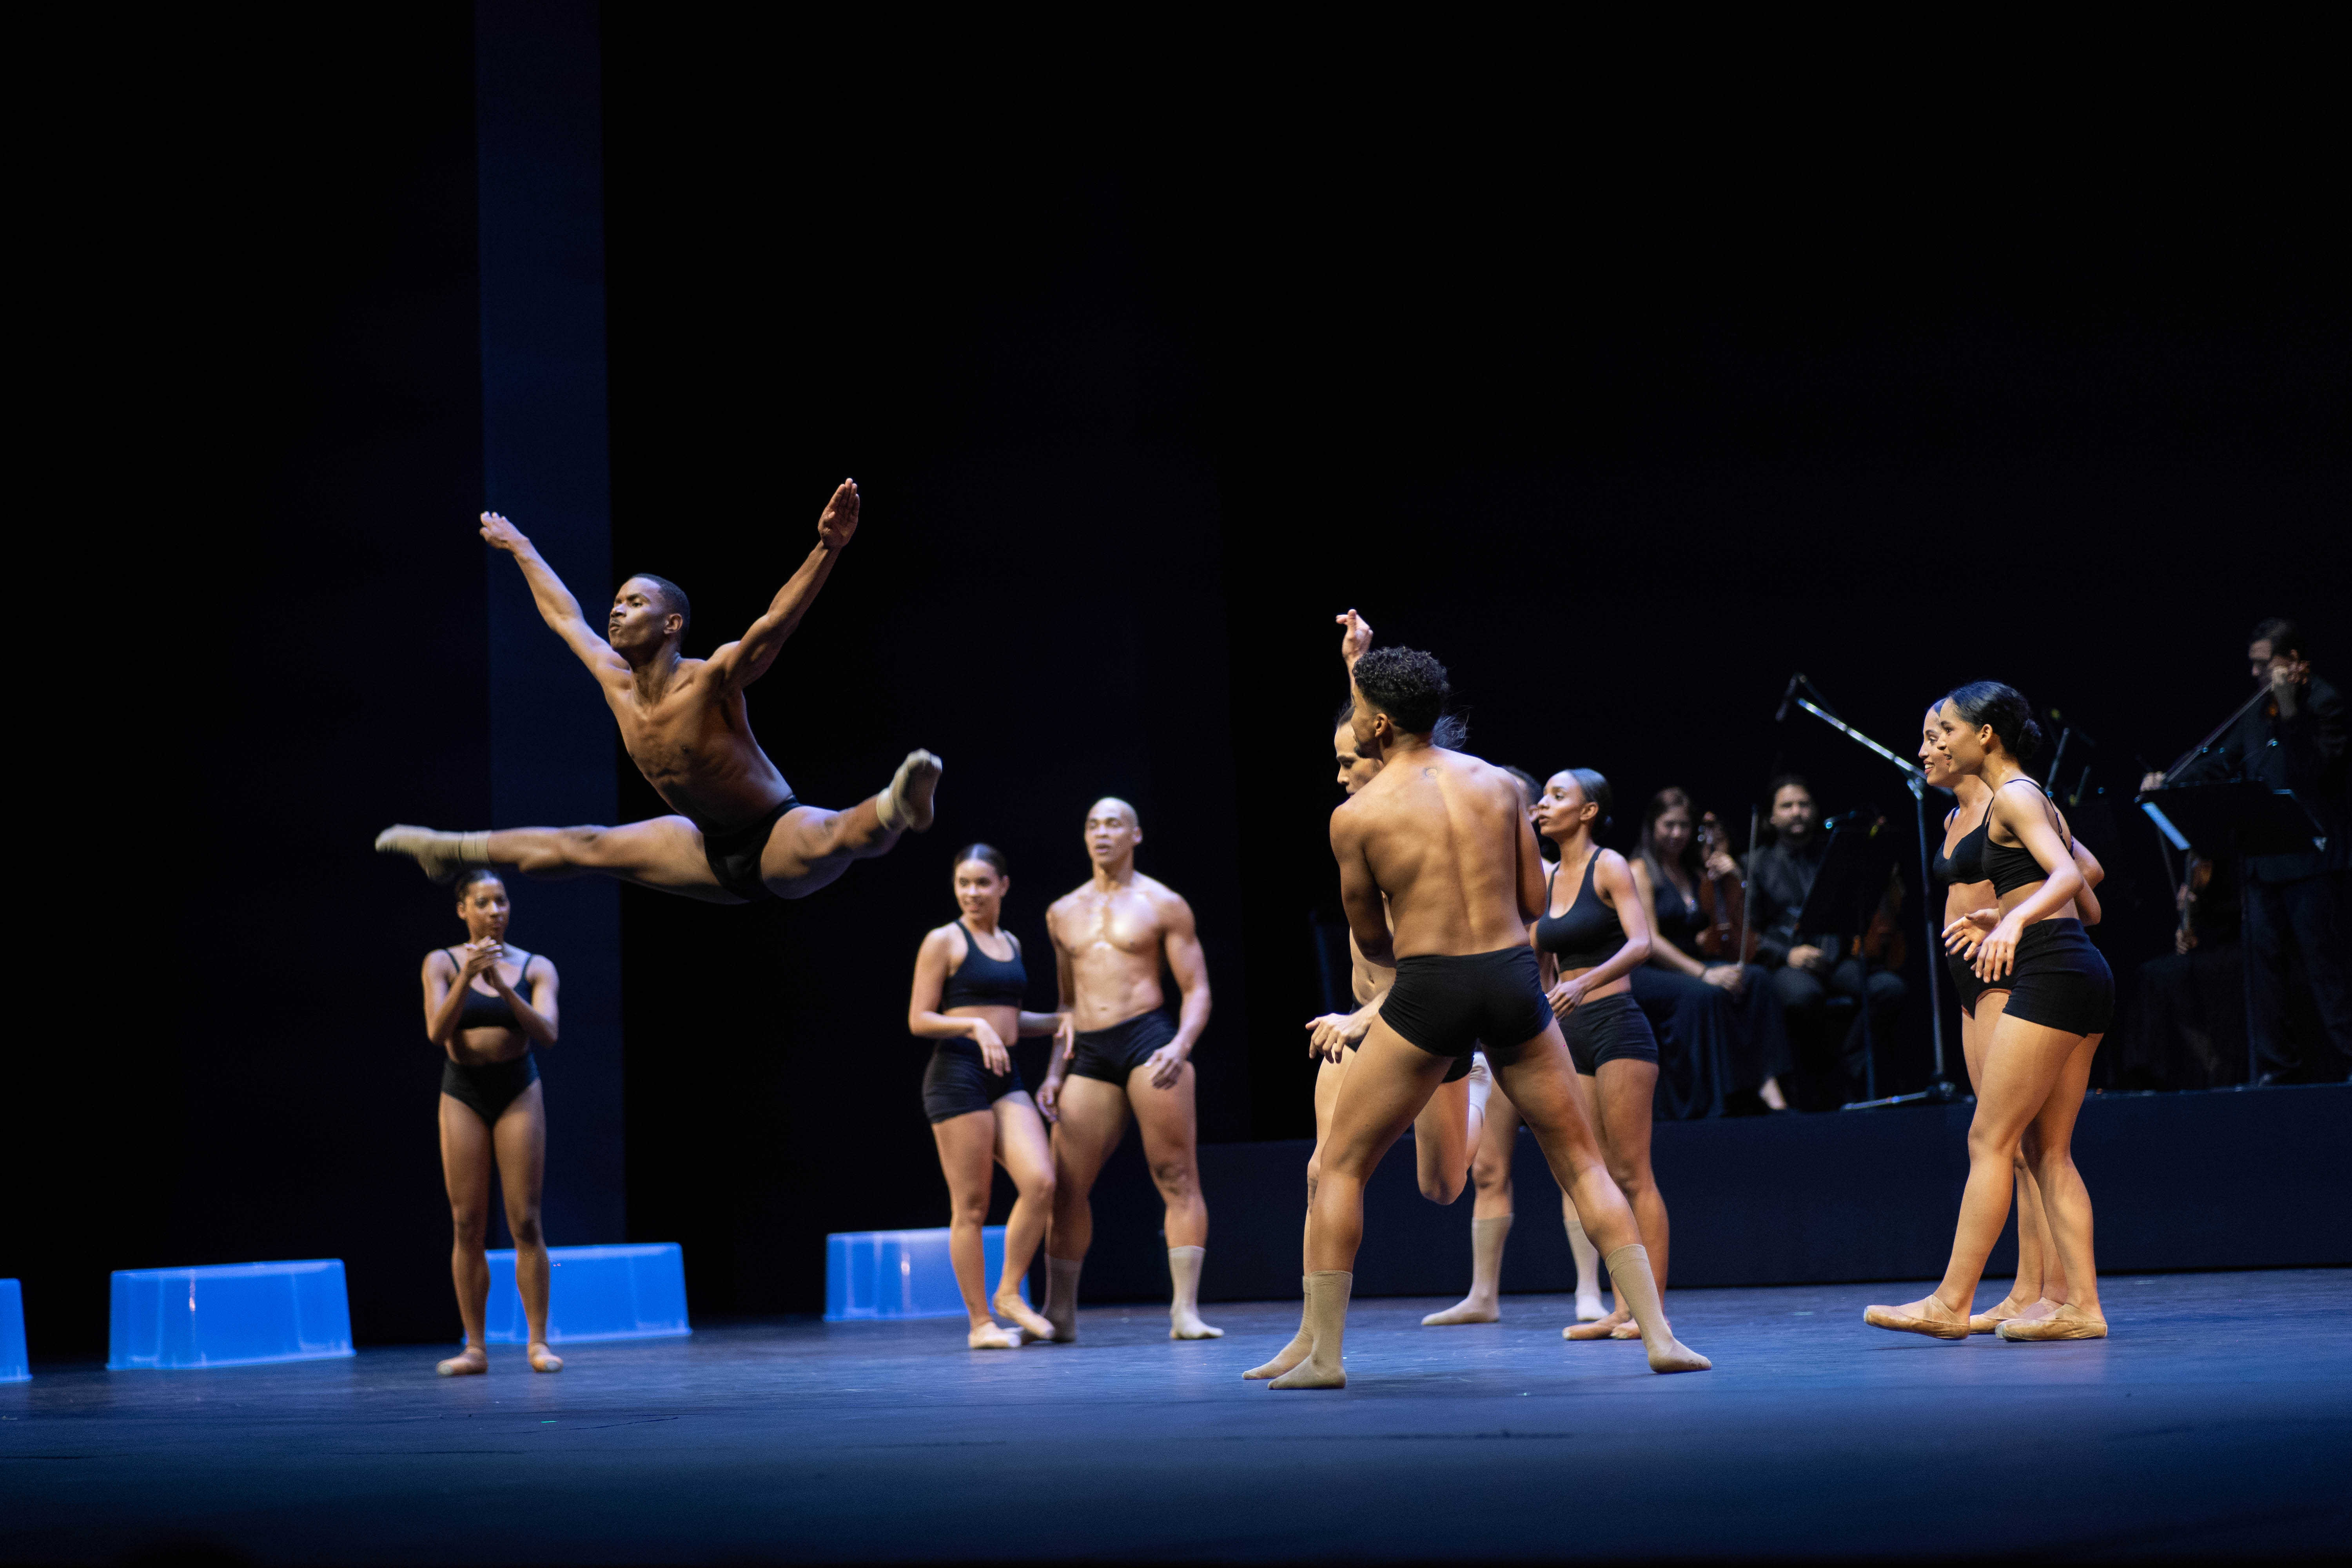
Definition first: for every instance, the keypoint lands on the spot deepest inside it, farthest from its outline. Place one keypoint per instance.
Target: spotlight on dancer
(969, 985)
(740, 836)
(1442, 835)
(491, 1104)
(1110, 936)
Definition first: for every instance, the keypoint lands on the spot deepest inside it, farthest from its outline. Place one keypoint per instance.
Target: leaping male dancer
(740, 837)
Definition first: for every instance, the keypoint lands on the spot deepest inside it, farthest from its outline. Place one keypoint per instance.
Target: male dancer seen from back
(1110, 937)
(1440, 836)
(740, 836)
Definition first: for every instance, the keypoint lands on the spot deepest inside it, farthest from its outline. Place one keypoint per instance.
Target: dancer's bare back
(1441, 834)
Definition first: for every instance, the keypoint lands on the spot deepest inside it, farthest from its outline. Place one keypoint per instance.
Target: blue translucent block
(14, 1368)
(635, 1291)
(876, 1274)
(228, 1314)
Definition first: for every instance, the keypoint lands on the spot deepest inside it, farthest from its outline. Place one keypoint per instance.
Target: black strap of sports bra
(2047, 805)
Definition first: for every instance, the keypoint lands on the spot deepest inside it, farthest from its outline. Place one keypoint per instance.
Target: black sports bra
(1589, 932)
(981, 981)
(488, 1012)
(2007, 866)
(1944, 869)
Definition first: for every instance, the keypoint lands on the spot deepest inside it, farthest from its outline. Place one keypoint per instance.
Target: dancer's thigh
(522, 1139)
(662, 852)
(803, 852)
(1328, 1076)
(966, 1144)
(1090, 1119)
(1542, 1082)
(1165, 1118)
(1020, 1144)
(2054, 1124)
(1625, 1090)
(2022, 1063)
(1976, 1031)
(1389, 1082)
(466, 1162)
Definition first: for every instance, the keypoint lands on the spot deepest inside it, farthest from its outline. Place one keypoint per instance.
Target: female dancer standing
(490, 1100)
(1724, 1017)
(969, 982)
(2036, 1058)
(1970, 908)
(1590, 948)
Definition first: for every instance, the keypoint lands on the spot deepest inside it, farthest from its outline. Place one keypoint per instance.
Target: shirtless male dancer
(1109, 935)
(740, 836)
(1443, 836)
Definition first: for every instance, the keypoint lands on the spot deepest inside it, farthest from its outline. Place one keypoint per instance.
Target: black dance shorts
(487, 1090)
(1608, 1029)
(1965, 982)
(2059, 980)
(1111, 1054)
(958, 1082)
(1460, 1069)
(734, 855)
(1448, 1003)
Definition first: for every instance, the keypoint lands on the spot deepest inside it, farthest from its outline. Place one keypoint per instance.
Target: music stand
(2241, 817)
(1846, 891)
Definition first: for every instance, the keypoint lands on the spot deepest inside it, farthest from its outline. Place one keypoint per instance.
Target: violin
(2197, 876)
(1883, 944)
(1723, 902)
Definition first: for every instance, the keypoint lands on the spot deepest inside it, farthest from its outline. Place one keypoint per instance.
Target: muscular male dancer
(740, 836)
(1109, 936)
(1442, 836)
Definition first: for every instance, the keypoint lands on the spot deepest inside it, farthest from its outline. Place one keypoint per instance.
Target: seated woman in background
(1719, 1022)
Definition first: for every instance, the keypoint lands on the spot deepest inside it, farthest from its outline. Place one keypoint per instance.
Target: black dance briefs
(734, 854)
(958, 1082)
(1608, 1029)
(1109, 1055)
(1448, 1003)
(2059, 980)
(487, 1090)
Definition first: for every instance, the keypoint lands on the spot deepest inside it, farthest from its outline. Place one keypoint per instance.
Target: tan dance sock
(1326, 1319)
(1062, 1297)
(1629, 1269)
(1483, 1305)
(441, 855)
(1184, 1306)
(1294, 1352)
(906, 803)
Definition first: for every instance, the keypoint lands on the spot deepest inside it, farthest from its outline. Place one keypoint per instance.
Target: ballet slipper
(1927, 1316)
(1992, 1317)
(1184, 1309)
(2068, 1322)
(543, 1359)
(906, 803)
(1327, 1319)
(471, 1361)
(1061, 1312)
(441, 855)
(1487, 1239)
(1637, 1292)
(1621, 1331)
(1603, 1326)
(1294, 1352)
(1009, 1304)
(989, 1337)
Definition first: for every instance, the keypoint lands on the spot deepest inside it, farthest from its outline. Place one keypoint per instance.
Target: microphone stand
(1940, 1087)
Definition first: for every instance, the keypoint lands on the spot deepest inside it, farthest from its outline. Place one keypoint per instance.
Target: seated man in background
(1809, 968)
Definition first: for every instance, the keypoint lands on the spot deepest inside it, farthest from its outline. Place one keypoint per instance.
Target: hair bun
(2028, 741)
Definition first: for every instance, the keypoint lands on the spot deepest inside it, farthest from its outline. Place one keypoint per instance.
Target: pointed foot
(436, 852)
(1032, 1323)
(907, 804)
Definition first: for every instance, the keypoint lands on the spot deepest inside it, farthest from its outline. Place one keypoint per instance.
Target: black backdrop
(1626, 429)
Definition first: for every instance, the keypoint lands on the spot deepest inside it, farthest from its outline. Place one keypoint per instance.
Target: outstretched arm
(556, 605)
(739, 663)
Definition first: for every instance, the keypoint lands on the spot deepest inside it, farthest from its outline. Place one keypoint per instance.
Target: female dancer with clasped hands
(2034, 1061)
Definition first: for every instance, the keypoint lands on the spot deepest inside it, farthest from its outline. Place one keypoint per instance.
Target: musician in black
(1809, 968)
(2295, 906)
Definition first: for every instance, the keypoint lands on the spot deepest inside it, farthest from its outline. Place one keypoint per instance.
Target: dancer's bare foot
(1309, 1374)
(989, 1337)
(2068, 1322)
(1187, 1325)
(906, 803)
(1472, 1308)
(471, 1361)
(1033, 1324)
(439, 853)
(541, 1358)
(1926, 1316)
(1604, 1328)
(1286, 1358)
(1588, 1309)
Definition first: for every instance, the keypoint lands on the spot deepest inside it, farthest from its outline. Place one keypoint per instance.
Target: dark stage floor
(2217, 1420)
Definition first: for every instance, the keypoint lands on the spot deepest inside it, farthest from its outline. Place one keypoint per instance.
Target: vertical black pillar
(540, 166)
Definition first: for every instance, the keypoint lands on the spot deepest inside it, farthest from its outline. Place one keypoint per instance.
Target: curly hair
(2005, 709)
(1407, 685)
(1452, 731)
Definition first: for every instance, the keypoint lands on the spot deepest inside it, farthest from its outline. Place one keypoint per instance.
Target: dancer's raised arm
(739, 663)
(556, 605)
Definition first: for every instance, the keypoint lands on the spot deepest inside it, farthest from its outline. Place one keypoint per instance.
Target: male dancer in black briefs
(1443, 836)
(741, 836)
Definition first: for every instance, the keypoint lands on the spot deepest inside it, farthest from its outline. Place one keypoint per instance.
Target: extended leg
(521, 1138)
(1166, 1119)
(1490, 1218)
(1622, 1092)
(810, 845)
(1093, 1117)
(967, 1146)
(1026, 1156)
(466, 1169)
(663, 852)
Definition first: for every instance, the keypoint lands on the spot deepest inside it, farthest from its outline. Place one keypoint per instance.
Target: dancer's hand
(1964, 935)
(1167, 1065)
(1997, 955)
(1330, 1036)
(481, 958)
(500, 534)
(1565, 996)
(1049, 1097)
(993, 1054)
(838, 523)
(1066, 1035)
(1729, 976)
(1355, 639)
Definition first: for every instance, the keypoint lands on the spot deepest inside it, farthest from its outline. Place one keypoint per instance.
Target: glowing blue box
(873, 1275)
(635, 1291)
(228, 1314)
(14, 1368)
